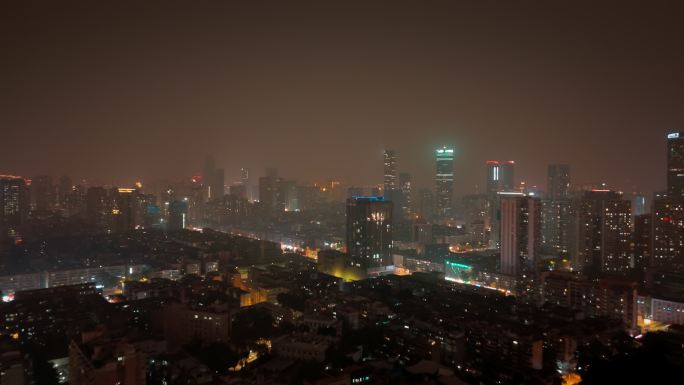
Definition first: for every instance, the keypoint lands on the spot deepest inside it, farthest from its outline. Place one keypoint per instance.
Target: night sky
(119, 91)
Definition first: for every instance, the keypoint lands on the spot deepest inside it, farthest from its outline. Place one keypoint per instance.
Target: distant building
(601, 232)
(369, 231)
(444, 181)
(557, 210)
(500, 176)
(178, 211)
(675, 164)
(668, 232)
(14, 204)
(42, 193)
(558, 186)
(520, 238)
(390, 179)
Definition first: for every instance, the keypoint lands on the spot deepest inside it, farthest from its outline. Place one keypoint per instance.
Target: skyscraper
(405, 187)
(369, 231)
(601, 232)
(42, 193)
(500, 176)
(668, 210)
(556, 210)
(558, 186)
(124, 211)
(520, 238)
(444, 180)
(208, 177)
(13, 204)
(675, 164)
(668, 232)
(390, 180)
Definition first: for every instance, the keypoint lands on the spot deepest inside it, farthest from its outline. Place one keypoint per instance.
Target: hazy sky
(125, 90)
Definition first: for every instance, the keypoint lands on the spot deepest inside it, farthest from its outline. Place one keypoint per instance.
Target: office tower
(426, 203)
(42, 193)
(218, 186)
(244, 176)
(287, 196)
(639, 205)
(178, 211)
(558, 186)
(405, 187)
(643, 226)
(390, 180)
(75, 203)
(520, 239)
(556, 215)
(500, 176)
(601, 229)
(556, 210)
(444, 181)
(675, 164)
(668, 232)
(208, 178)
(477, 216)
(268, 194)
(98, 207)
(369, 231)
(125, 209)
(64, 188)
(14, 204)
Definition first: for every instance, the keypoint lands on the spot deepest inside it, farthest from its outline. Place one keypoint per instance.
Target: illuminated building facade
(390, 179)
(520, 238)
(444, 181)
(500, 176)
(668, 232)
(369, 231)
(601, 232)
(675, 164)
(13, 204)
(556, 210)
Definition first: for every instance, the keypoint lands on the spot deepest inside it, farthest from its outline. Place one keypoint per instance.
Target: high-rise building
(218, 186)
(268, 190)
(426, 203)
(208, 177)
(675, 164)
(244, 176)
(125, 209)
(390, 180)
(556, 210)
(477, 216)
(178, 211)
(13, 204)
(668, 232)
(98, 207)
(405, 187)
(369, 231)
(639, 204)
(42, 193)
(556, 215)
(520, 239)
(500, 176)
(601, 229)
(64, 188)
(643, 226)
(558, 187)
(444, 181)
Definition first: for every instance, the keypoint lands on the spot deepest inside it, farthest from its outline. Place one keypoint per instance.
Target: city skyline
(547, 91)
